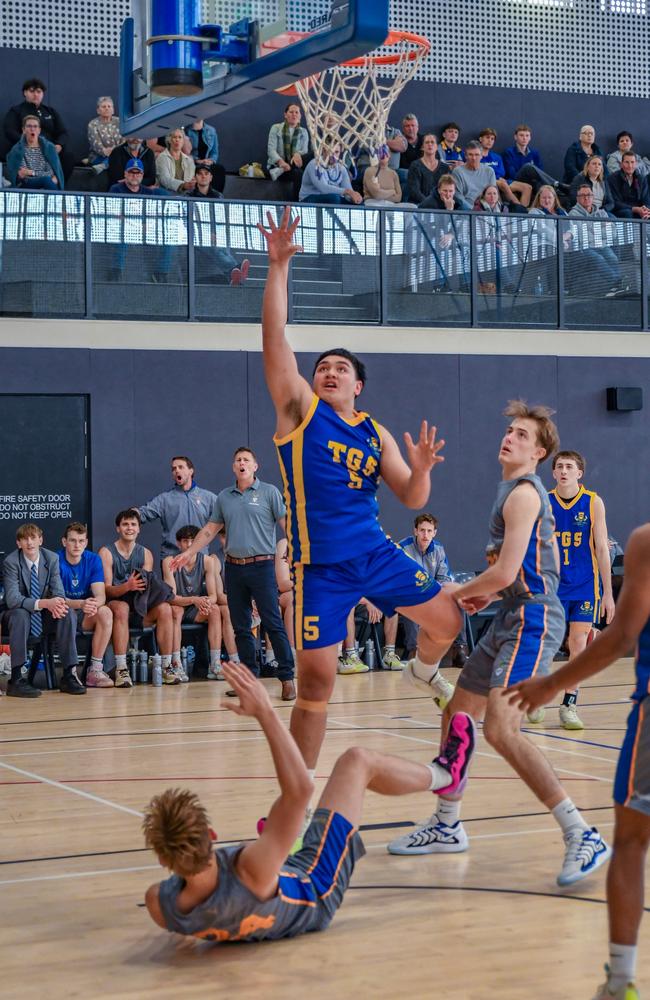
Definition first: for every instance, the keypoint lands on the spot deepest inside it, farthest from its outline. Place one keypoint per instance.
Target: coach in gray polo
(249, 510)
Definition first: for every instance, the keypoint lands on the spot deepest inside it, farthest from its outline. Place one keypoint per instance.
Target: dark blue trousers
(256, 582)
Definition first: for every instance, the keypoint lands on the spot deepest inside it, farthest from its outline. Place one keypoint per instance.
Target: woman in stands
(547, 203)
(578, 152)
(326, 180)
(175, 170)
(103, 134)
(381, 184)
(593, 173)
(425, 173)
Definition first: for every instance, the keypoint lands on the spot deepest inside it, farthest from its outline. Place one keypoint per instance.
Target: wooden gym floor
(75, 773)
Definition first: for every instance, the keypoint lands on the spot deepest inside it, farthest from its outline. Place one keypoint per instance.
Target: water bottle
(156, 673)
(370, 654)
(143, 670)
(132, 663)
(191, 656)
(539, 286)
(184, 659)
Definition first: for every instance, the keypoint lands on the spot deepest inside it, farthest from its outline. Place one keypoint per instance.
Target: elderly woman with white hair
(175, 169)
(103, 134)
(579, 152)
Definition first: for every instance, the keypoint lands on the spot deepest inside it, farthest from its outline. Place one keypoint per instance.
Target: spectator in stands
(82, 575)
(509, 192)
(579, 152)
(34, 162)
(196, 602)
(546, 202)
(136, 596)
(424, 173)
(133, 148)
(413, 149)
(450, 152)
(103, 134)
(472, 176)
(490, 201)
(175, 170)
(493, 232)
(593, 173)
(328, 184)
(133, 181)
(630, 190)
(523, 163)
(203, 143)
(185, 503)
(590, 263)
(381, 184)
(52, 127)
(444, 197)
(36, 606)
(624, 142)
(222, 261)
(287, 148)
(204, 183)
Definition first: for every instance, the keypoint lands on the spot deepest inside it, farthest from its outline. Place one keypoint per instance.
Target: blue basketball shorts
(324, 595)
(582, 610)
(632, 781)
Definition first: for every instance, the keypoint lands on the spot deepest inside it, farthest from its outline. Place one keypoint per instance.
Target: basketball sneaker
(215, 673)
(456, 753)
(438, 688)
(569, 718)
(350, 663)
(98, 679)
(169, 676)
(627, 992)
(536, 717)
(123, 678)
(431, 837)
(585, 852)
(391, 660)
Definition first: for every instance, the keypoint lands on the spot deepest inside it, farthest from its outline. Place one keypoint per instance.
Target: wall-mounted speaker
(624, 398)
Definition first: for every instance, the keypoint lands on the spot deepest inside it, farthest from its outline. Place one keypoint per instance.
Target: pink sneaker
(456, 752)
(98, 679)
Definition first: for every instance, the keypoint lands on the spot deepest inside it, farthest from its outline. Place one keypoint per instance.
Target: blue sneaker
(585, 852)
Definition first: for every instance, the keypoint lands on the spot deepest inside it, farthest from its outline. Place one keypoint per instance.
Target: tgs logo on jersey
(586, 606)
(373, 444)
(581, 517)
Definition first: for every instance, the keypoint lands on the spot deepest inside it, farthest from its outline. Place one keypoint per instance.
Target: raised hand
(253, 697)
(423, 454)
(279, 239)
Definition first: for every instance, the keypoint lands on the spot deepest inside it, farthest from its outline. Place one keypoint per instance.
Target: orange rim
(393, 37)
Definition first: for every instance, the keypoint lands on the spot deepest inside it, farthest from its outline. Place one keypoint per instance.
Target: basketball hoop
(349, 102)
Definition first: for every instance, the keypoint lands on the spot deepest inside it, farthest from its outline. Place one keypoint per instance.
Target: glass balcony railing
(111, 257)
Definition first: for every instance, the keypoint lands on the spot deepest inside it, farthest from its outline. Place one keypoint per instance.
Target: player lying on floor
(248, 892)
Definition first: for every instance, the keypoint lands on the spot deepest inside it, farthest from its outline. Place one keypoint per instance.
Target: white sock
(425, 671)
(215, 655)
(233, 657)
(166, 661)
(96, 663)
(568, 817)
(120, 660)
(389, 649)
(440, 776)
(622, 965)
(448, 811)
(176, 657)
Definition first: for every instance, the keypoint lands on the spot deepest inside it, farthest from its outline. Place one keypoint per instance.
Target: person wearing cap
(34, 162)
(132, 186)
(133, 148)
(51, 123)
(214, 263)
(133, 180)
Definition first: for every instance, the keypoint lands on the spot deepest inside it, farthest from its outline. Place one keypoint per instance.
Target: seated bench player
(254, 891)
(82, 575)
(125, 564)
(196, 586)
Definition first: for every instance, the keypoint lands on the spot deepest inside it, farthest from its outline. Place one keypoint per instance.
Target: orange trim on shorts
(639, 727)
(541, 642)
(516, 649)
(344, 853)
(322, 843)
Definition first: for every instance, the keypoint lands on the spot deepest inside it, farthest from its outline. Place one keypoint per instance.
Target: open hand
(279, 239)
(531, 694)
(253, 697)
(423, 454)
(179, 561)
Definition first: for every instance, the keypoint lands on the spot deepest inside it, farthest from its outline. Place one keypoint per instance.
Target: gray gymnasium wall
(146, 406)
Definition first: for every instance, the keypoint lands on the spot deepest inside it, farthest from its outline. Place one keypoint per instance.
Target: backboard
(181, 60)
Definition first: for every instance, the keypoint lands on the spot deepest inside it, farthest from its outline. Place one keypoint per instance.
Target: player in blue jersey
(521, 641)
(585, 569)
(632, 782)
(331, 456)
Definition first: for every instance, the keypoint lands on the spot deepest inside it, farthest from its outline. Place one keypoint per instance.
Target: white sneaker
(438, 688)
(569, 718)
(391, 661)
(536, 717)
(431, 837)
(585, 852)
(627, 992)
(215, 673)
(123, 678)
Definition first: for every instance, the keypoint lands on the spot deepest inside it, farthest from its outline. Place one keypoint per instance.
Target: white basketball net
(351, 104)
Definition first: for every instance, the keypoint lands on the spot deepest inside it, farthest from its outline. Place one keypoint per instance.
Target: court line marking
(74, 791)
(131, 746)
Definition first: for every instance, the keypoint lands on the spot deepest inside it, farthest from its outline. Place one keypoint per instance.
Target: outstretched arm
(410, 481)
(259, 863)
(289, 391)
(601, 546)
(632, 613)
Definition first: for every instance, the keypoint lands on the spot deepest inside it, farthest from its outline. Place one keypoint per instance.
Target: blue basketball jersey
(642, 664)
(579, 577)
(330, 471)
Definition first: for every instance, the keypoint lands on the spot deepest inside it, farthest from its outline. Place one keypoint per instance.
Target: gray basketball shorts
(189, 614)
(520, 643)
(632, 781)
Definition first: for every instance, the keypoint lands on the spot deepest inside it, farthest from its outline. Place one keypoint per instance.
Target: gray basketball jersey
(122, 568)
(538, 577)
(233, 913)
(191, 582)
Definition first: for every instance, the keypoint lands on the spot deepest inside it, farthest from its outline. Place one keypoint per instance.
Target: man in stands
(135, 596)
(487, 138)
(624, 142)
(523, 164)
(472, 177)
(82, 575)
(630, 190)
(185, 503)
(132, 149)
(450, 152)
(52, 127)
(133, 182)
